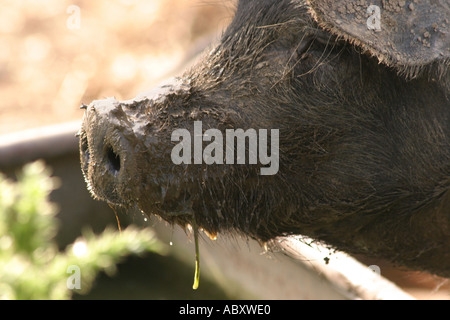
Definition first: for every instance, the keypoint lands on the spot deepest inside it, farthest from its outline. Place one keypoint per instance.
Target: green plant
(31, 266)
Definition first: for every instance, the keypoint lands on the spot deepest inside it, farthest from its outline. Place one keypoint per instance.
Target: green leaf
(31, 267)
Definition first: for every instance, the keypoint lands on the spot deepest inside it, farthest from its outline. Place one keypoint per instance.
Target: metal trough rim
(345, 273)
(43, 142)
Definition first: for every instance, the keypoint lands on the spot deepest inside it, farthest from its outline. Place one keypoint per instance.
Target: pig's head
(360, 159)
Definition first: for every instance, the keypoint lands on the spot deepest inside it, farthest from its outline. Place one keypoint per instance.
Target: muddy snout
(106, 139)
(122, 145)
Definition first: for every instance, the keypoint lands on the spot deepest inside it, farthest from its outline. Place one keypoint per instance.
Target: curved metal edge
(345, 272)
(45, 142)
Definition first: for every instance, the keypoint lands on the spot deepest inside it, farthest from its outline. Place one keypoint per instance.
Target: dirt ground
(56, 55)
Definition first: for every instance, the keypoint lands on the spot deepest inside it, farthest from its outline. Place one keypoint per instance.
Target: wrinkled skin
(364, 159)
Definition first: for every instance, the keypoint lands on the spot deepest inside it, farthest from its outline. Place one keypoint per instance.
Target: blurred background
(57, 54)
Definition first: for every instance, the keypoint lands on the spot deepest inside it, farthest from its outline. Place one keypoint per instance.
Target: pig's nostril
(113, 159)
(85, 149)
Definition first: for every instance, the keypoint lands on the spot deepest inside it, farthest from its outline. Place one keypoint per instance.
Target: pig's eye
(316, 40)
(325, 39)
(305, 45)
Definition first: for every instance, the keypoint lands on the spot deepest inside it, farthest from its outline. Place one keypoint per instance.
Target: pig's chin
(175, 210)
(178, 213)
(172, 206)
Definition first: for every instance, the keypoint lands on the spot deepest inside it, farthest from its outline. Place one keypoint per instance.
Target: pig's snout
(108, 156)
(125, 146)
(106, 138)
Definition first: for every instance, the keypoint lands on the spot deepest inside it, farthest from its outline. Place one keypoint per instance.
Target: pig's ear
(406, 35)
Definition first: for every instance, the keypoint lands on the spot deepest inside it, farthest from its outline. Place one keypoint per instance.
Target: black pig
(363, 133)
